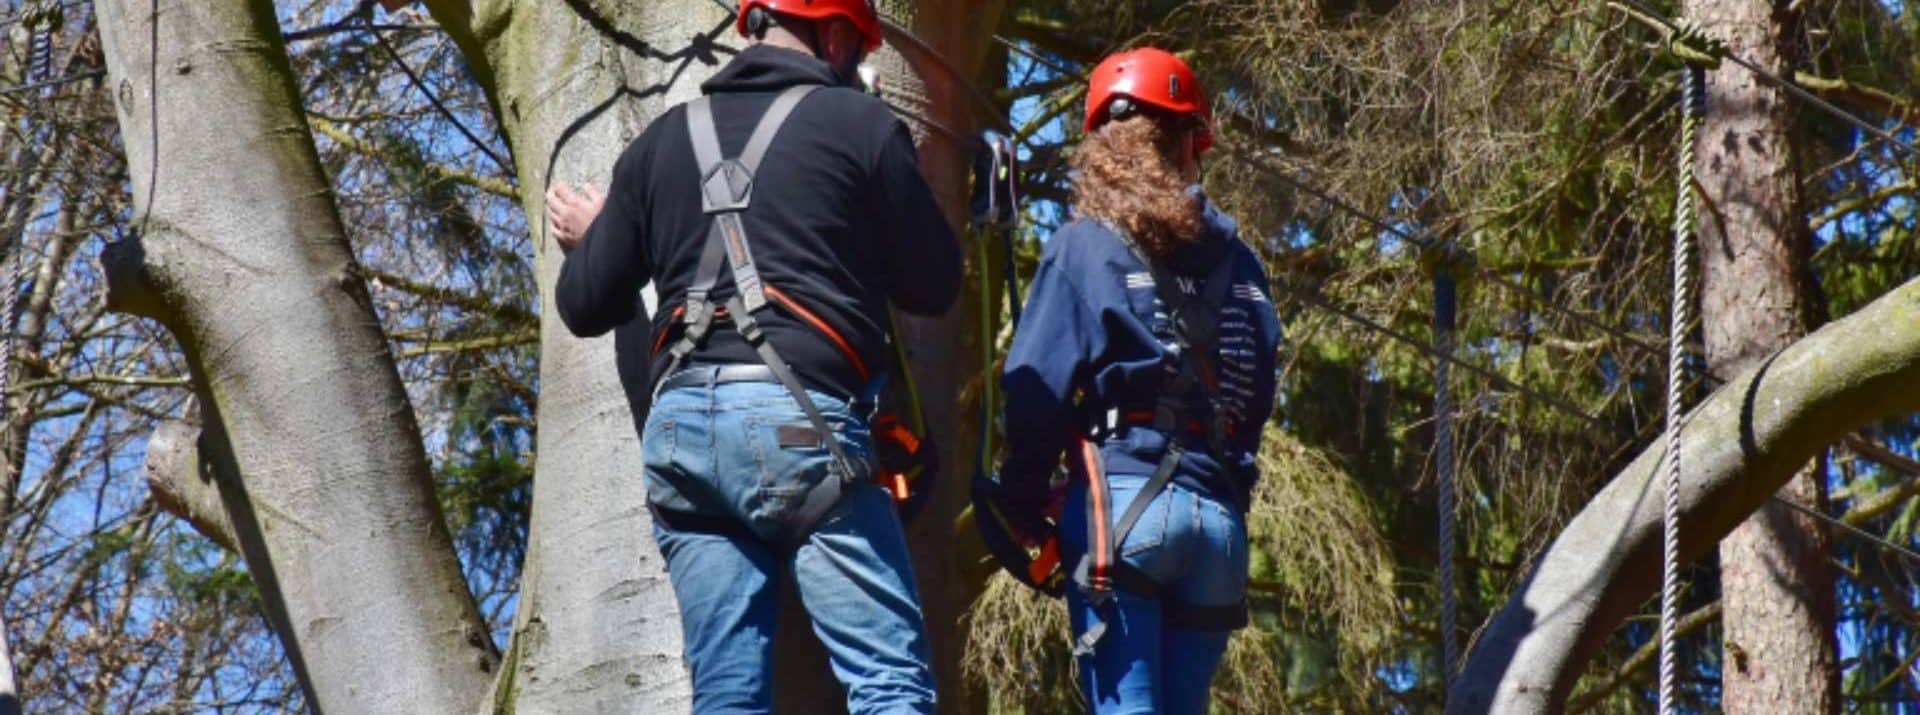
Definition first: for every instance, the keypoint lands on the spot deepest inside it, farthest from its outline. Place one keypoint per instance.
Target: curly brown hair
(1126, 174)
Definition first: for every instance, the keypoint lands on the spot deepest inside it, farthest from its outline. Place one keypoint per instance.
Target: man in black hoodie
(775, 247)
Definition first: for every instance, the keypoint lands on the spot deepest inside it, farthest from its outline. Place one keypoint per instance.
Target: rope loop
(1694, 46)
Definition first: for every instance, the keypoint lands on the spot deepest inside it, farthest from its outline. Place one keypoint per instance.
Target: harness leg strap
(1100, 570)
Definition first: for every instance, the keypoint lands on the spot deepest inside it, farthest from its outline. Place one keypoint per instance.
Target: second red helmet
(858, 12)
(1151, 77)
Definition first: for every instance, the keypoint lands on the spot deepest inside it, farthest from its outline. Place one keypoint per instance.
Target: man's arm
(600, 280)
(922, 254)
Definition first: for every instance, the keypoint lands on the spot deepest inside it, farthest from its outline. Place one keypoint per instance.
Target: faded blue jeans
(1195, 546)
(715, 451)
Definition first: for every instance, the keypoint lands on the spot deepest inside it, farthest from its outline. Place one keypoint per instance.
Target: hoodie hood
(1202, 255)
(765, 68)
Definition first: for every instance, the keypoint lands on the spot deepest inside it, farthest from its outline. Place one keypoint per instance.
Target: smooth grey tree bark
(185, 485)
(9, 693)
(572, 82)
(242, 256)
(1743, 442)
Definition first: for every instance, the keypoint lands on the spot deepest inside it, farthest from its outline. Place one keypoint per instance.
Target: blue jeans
(1195, 545)
(716, 451)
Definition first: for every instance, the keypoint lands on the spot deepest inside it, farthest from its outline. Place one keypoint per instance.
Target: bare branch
(184, 485)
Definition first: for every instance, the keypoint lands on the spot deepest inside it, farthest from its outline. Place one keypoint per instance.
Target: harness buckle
(1101, 425)
(727, 187)
(749, 330)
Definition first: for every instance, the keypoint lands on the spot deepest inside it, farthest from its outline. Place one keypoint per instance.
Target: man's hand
(569, 213)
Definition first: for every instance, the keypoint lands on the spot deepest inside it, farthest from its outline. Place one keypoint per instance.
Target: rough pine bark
(1741, 443)
(572, 82)
(1776, 583)
(242, 256)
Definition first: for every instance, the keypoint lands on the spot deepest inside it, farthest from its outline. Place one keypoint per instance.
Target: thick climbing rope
(42, 22)
(10, 270)
(1445, 298)
(1693, 106)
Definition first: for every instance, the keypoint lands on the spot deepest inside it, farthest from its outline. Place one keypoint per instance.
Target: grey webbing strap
(1100, 594)
(1199, 358)
(821, 498)
(706, 139)
(1219, 286)
(698, 318)
(770, 124)
(731, 231)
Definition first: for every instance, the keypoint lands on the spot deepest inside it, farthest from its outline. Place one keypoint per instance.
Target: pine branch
(355, 144)
(1642, 659)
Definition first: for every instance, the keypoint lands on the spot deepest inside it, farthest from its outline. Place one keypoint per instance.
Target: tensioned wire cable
(1640, 11)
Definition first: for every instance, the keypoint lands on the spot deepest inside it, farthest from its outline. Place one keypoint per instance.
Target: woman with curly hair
(1146, 356)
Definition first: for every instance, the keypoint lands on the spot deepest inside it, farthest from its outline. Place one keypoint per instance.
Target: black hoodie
(841, 220)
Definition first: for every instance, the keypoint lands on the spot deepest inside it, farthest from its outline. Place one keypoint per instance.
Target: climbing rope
(1445, 297)
(42, 22)
(14, 264)
(1693, 107)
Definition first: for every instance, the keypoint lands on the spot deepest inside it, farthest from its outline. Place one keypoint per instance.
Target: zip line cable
(1640, 11)
(1911, 555)
(366, 15)
(55, 82)
(1061, 69)
(1316, 299)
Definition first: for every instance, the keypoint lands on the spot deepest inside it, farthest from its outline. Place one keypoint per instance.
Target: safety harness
(726, 191)
(1193, 312)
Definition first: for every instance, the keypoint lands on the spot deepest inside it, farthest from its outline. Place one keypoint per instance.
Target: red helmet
(1152, 77)
(858, 12)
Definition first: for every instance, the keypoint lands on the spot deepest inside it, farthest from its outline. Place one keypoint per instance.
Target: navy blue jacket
(1095, 326)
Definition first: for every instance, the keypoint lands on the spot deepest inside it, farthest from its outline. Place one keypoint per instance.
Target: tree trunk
(9, 694)
(1777, 586)
(573, 82)
(1743, 442)
(242, 256)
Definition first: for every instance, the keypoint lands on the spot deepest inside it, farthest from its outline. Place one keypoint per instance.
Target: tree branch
(447, 295)
(355, 144)
(525, 337)
(183, 484)
(1641, 658)
(1890, 498)
(1840, 210)
(1743, 442)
